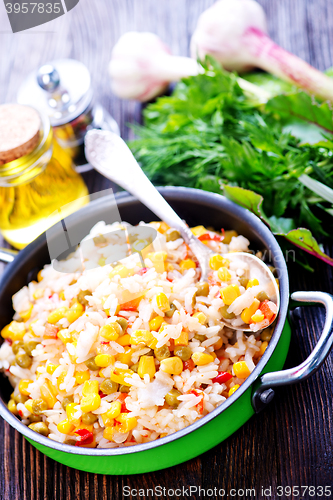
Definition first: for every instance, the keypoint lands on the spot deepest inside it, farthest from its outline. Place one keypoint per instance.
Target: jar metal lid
(61, 89)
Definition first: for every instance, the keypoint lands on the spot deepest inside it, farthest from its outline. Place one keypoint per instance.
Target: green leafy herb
(211, 134)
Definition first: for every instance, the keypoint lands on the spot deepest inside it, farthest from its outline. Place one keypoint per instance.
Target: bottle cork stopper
(19, 131)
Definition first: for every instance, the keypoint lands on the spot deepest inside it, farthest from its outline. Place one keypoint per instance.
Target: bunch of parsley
(274, 158)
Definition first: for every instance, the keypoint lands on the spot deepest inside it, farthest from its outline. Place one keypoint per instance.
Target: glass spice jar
(37, 177)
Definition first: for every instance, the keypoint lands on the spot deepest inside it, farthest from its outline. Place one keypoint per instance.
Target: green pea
(162, 352)
(202, 289)
(81, 298)
(171, 311)
(172, 235)
(183, 352)
(90, 363)
(225, 314)
(243, 282)
(266, 334)
(124, 388)
(89, 418)
(135, 367)
(262, 296)
(16, 346)
(40, 427)
(123, 323)
(172, 398)
(150, 353)
(38, 406)
(35, 418)
(20, 399)
(66, 401)
(200, 337)
(23, 360)
(30, 346)
(109, 387)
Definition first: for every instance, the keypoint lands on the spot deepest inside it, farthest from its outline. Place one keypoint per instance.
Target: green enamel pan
(196, 207)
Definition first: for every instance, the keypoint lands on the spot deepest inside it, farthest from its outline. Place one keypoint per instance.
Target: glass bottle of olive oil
(37, 177)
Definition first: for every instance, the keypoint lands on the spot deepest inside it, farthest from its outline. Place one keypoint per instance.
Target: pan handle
(7, 255)
(264, 391)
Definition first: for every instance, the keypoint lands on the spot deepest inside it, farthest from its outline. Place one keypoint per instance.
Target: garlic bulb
(142, 67)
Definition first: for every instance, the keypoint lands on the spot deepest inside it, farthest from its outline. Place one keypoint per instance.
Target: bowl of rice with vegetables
(119, 354)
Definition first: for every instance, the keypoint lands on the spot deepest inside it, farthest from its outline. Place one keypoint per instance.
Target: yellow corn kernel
(23, 386)
(75, 312)
(141, 337)
(233, 389)
(146, 366)
(241, 369)
(39, 276)
(163, 227)
(162, 302)
(198, 230)
(101, 261)
(48, 393)
(121, 271)
(252, 282)
(258, 317)
(201, 317)
(51, 368)
(163, 434)
(186, 264)
(90, 403)
(90, 387)
(65, 335)
(62, 295)
(112, 413)
(263, 348)
(277, 282)
(201, 358)
(110, 331)
(228, 235)
(173, 365)
(118, 375)
(61, 378)
(125, 357)
(108, 433)
(223, 274)
(216, 261)
(124, 340)
(229, 294)
(155, 323)
(218, 344)
(157, 256)
(104, 360)
(38, 293)
(169, 267)
(57, 315)
(70, 411)
(14, 331)
(182, 339)
(65, 427)
(82, 376)
(249, 311)
(25, 315)
(127, 423)
(28, 405)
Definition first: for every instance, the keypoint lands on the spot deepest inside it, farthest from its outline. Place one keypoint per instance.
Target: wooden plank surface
(291, 442)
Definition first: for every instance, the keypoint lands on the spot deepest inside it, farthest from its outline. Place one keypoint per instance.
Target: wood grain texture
(291, 442)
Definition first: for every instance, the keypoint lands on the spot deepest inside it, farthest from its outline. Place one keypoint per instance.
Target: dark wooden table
(291, 442)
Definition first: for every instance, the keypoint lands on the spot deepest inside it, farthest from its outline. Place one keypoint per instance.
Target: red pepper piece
(209, 237)
(86, 437)
(222, 377)
(142, 271)
(122, 396)
(266, 310)
(102, 342)
(189, 365)
(9, 341)
(102, 395)
(199, 406)
(50, 331)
